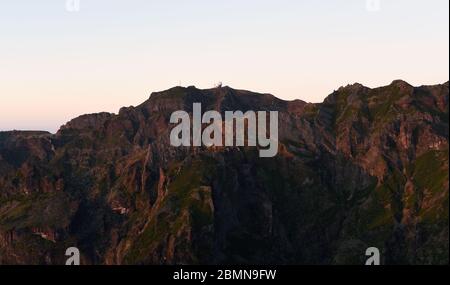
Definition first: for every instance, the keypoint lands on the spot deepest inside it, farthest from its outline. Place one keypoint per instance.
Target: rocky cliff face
(365, 168)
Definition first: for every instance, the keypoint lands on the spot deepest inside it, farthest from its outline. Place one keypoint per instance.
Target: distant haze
(56, 64)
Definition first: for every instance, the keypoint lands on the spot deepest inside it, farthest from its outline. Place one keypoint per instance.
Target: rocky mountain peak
(367, 167)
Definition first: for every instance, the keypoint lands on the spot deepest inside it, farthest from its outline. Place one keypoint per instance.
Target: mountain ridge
(367, 167)
(160, 94)
(298, 100)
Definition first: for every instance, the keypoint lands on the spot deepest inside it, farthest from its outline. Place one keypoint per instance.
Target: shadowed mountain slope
(365, 168)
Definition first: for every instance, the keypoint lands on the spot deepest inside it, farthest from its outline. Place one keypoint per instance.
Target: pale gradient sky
(56, 65)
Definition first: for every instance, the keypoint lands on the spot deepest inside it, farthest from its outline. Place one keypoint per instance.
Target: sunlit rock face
(365, 168)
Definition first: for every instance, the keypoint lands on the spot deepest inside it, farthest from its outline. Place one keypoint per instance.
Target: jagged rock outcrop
(367, 167)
